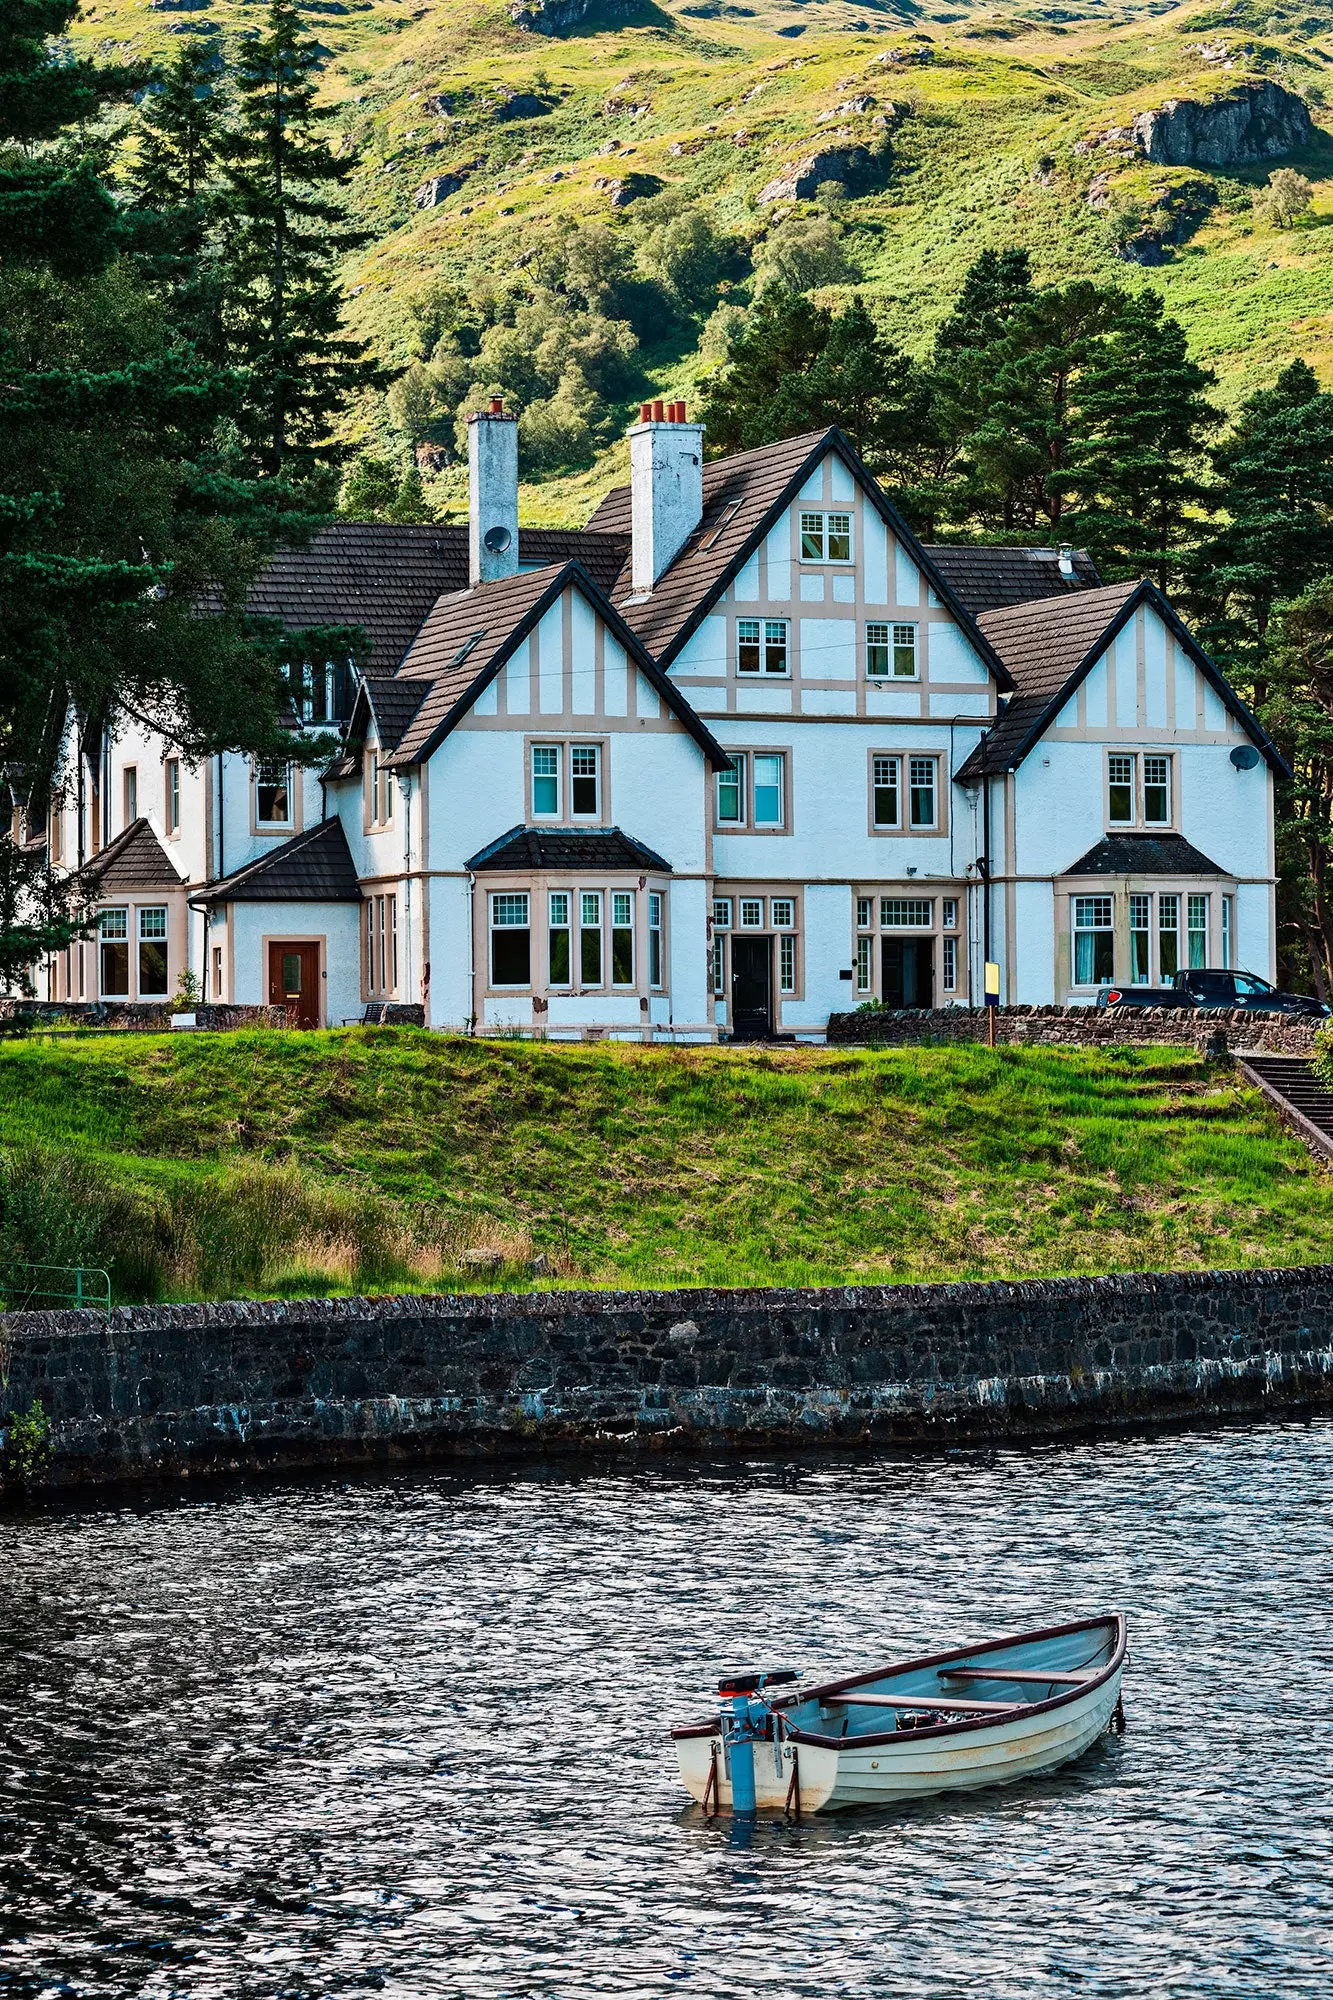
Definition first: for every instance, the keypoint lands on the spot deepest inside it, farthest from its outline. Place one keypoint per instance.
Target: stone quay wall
(166, 1392)
(1213, 1032)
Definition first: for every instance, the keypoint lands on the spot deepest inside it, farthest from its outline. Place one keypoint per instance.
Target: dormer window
(826, 537)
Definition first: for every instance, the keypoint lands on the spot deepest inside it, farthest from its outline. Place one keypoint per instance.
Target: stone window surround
(904, 828)
(537, 886)
(1121, 888)
(724, 889)
(565, 740)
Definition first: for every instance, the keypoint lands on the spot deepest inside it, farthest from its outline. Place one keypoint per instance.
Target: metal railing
(22, 1285)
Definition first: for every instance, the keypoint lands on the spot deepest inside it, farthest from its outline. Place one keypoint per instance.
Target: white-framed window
(511, 939)
(585, 780)
(130, 785)
(1140, 940)
(656, 960)
(217, 971)
(382, 944)
(721, 913)
(1157, 791)
(787, 963)
(719, 957)
(1228, 934)
(886, 799)
(890, 651)
(557, 938)
(1168, 936)
(590, 937)
(153, 981)
(546, 781)
(761, 646)
(622, 937)
(731, 794)
(949, 964)
(782, 913)
(113, 941)
(826, 537)
(768, 769)
(865, 913)
(898, 913)
(949, 913)
(1120, 789)
(863, 951)
(273, 793)
(1197, 914)
(921, 791)
(752, 913)
(380, 790)
(171, 789)
(1094, 940)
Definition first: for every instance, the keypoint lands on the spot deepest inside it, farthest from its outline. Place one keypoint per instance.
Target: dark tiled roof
(1144, 854)
(985, 579)
(134, 860)
(539, 849)
(1043, 644)
(469, 636)
(385, 576)
(741, 496)
(314, 867)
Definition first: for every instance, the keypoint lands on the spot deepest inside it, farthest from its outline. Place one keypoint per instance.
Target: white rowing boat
(979, 1715)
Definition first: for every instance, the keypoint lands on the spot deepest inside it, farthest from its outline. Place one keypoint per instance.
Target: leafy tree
(39, 911)
(287, 232)
(1285, 200)
(1140, 415)
(805, 253)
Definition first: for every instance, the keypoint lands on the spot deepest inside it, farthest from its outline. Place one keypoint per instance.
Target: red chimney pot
(497, 406)
(658, 414)
(645, 413)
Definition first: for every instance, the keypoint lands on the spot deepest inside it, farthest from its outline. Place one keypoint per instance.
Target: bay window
(113, 933)
(622, 937)
(558, 959)
(1197, 910)
(153, 982)
(590, 937)
(1140, 969)
(1168, 936)
(1094, 941)
(511, 940)
(655, 957)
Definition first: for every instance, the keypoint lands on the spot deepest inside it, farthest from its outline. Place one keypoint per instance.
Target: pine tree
(174, 183)
(1139, 419)
(288, 232)
(782, 339)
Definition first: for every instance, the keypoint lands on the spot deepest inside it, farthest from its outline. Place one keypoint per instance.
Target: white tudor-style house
(740, 754)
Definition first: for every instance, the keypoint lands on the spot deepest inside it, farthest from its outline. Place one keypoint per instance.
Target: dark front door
(908, 965)
(751, 988)
(293, 982)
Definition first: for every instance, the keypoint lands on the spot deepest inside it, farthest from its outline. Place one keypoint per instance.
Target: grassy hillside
(986, 107)
(276, 1164)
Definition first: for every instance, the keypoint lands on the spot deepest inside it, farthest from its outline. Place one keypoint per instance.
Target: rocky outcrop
(555, 17)
(857, 167)
(437, 189)
(628, 188)
(1255, 121)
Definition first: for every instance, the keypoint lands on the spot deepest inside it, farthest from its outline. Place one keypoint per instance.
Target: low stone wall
(136, 1016)
(205, 1388)
(1084, 1027)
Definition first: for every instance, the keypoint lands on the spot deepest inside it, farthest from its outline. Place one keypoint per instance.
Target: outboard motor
(747, 1721)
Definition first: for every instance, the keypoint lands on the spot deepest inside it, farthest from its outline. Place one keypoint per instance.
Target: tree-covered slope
(488, 147)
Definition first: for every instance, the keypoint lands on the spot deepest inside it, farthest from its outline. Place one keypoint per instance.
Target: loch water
(406, 1734)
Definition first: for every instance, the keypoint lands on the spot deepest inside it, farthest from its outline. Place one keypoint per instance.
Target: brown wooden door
(293, 982)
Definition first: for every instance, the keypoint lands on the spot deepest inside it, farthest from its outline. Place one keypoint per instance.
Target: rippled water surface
(407, 1736)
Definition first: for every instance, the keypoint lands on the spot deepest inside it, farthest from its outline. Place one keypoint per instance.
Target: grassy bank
(276, 1164)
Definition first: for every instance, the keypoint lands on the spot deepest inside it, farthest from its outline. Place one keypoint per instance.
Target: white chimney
(492, 494)
(666, 457)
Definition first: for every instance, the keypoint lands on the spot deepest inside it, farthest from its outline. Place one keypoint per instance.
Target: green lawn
(278, 1164)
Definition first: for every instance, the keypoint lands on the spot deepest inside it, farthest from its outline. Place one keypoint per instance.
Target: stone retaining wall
(203, 1388)
(1084, 1027)
(130, 1016)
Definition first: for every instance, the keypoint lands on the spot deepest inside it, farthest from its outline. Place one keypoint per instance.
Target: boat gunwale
(1021, 1710)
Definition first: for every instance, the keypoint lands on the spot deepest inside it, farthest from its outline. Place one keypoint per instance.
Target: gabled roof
(743, 497)
(384, 576)
(985, 579)
(538, 848)
(1052, 644)
(470, 635)
(1144, 854)
(134, 860)
(314, 867)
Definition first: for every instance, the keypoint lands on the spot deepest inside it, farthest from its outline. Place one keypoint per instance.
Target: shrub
(27, 1451)
(1287, 197)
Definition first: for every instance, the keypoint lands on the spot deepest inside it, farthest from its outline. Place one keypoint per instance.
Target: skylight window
(468, 646)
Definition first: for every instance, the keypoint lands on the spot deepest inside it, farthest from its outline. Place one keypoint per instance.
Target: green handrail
(86, 1285)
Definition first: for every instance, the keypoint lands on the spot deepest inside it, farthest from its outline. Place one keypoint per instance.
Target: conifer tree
(1134, 462)
(174, 184)
(288, 231)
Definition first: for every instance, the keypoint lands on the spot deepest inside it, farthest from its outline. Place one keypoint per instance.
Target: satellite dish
(496, 540)
(1245, 756)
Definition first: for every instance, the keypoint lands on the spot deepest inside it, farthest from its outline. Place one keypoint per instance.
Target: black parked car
(1208, 987)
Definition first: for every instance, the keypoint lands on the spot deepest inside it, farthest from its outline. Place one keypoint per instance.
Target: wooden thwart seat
(1075, 1679)
(902, 1701)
